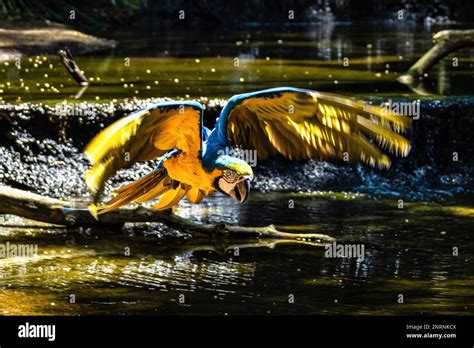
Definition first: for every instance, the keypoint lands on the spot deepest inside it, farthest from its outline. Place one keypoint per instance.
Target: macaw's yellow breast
(188, 169)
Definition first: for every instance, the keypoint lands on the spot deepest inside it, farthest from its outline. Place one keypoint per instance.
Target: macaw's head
(235, 178)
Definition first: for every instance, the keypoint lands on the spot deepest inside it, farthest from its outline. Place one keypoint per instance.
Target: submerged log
(40, 208)
(447, 41)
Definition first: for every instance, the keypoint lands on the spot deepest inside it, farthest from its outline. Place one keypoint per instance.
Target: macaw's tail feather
(142, 190)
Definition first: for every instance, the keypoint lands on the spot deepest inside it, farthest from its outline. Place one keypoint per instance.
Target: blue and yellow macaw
(292, 122)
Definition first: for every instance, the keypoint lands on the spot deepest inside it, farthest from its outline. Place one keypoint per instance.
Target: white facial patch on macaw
(234, 185)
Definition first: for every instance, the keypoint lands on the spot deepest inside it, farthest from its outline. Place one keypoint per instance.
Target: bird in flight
(193, 162)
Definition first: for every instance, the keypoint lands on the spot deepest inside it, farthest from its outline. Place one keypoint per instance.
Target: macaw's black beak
(239, 191)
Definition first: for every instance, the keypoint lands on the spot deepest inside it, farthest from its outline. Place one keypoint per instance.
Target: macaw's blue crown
(233, 163)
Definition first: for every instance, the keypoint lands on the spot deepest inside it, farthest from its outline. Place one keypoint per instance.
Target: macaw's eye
(230, 176)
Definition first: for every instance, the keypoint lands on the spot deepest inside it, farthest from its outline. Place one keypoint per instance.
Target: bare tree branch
(71, 66)
(54, 211)
(447, 41)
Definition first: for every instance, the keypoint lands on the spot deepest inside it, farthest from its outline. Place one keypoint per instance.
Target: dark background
(102, 15)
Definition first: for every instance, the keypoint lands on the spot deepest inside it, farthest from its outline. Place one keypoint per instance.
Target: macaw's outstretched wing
(161, 130)
(302, 124)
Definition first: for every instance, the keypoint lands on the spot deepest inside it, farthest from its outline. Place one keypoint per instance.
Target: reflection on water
(135, 270)
(216, 64)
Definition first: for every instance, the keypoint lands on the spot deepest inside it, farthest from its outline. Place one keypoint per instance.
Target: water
(408, 251)
(202, 64)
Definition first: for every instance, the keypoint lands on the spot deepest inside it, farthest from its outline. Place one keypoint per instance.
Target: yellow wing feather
(114, 136)
(194, 195)
(141, 136)
(303, 125)
(156, 191)
(170, 198)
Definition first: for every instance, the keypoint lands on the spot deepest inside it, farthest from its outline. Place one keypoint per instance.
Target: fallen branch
(447, 41)
(71, 66)
(58, 212)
